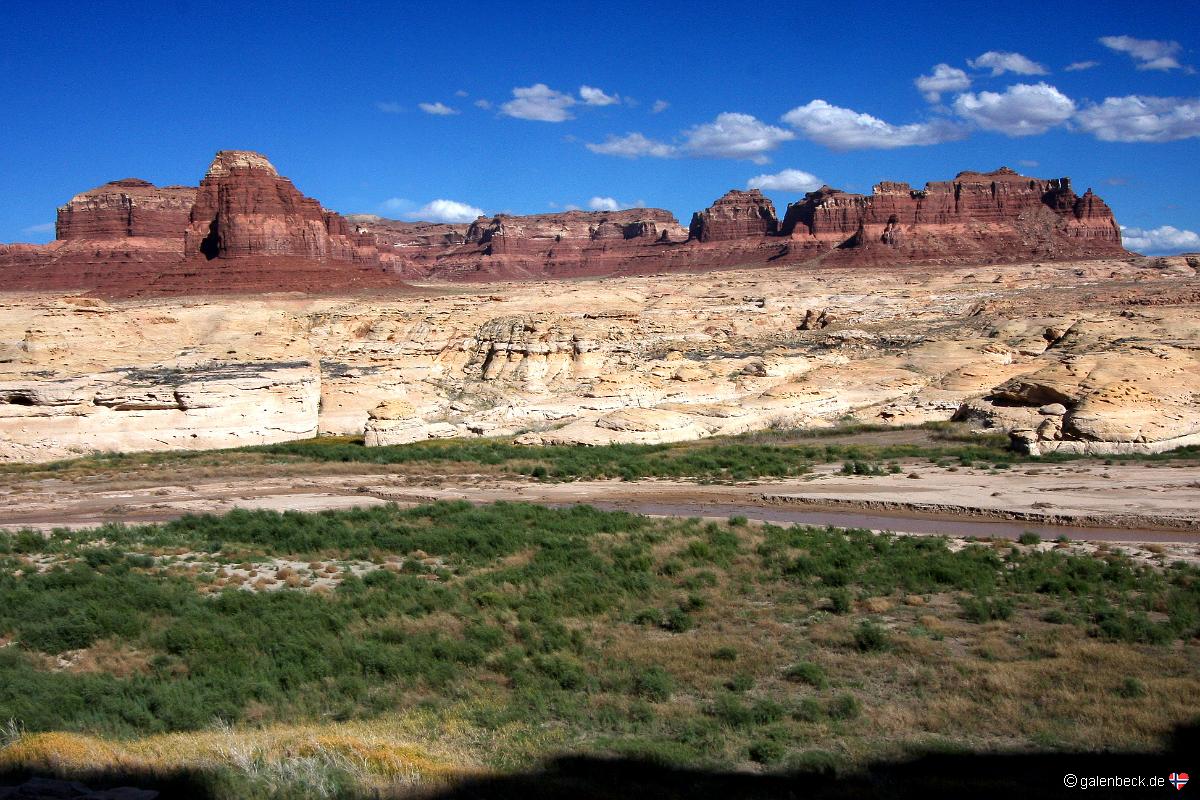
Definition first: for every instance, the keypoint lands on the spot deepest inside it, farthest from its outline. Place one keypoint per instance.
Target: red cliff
(993, 216)
(248, 229)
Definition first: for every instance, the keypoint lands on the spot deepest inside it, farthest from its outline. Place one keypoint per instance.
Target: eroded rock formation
(1085, 355)
(978, 217)
(248, 229)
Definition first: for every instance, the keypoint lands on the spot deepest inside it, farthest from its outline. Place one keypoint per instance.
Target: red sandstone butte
(247, 229)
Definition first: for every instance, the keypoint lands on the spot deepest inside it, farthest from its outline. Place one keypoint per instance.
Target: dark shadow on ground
(954, 776)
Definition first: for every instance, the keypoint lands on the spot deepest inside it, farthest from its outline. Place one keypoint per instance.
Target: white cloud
(461, 93)
(1020, 110)
(1142, 119)
(944, 78)
(1078, 66)
(1028, 162)
(389, 107)
(484, 104)
(540, 103)
(446, 211)
(1161, 240)
(1002, 62)
(605, 204)
(659, 106)
(596, 97)
(438, 109)
(45, 227)
(733, 135)
(788, 180)
(845, 129)
(1150, 53)
(397, 205)
(633, 145)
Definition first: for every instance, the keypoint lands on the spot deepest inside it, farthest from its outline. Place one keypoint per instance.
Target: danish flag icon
(1178, 780)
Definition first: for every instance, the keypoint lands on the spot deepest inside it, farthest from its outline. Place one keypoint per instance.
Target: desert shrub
(767, 751)
(843, 707)
(807, 672)
(725, 654)
(741, 682)
(1030, 537)
(986, 609)
(1131, 688)
(654, 684)
(870, 637)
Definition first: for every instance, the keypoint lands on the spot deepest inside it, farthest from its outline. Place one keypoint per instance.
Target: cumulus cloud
(1149, 53)
(540, 103)
(1001, 62)
(484, 104)
(1078, 66)
(1161, 240)
(1141, 119)
(596, 97)
(438, 109)
(845, 129)
(446, 211)
(605, 204)
(733, 135)
(787, 180)
(659, 106)
(944, 78)
(389, 107)
(461, 93)
(633, 145)
(1020, 110)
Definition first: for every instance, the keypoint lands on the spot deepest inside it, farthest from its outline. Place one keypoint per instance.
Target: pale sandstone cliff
(1113, 344)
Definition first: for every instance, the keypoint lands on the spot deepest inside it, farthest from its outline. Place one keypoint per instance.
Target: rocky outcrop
(978, 217)
(735, 215)
(245, 210)
(246, 229)
(128, 208)
(570, 243)
(1057, 350)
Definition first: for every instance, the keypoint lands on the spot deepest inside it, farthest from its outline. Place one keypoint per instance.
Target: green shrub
(840, 601)
(870, 637)
(767, 751)
(807, 672)
(1030, 537)
(725, 654)
(654, 684)
(808, 710)
(985, 609)
(741, 682)
(1131, 688)
(843, 707)
(677, 621)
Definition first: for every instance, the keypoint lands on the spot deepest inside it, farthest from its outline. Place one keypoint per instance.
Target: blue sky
(533, 107)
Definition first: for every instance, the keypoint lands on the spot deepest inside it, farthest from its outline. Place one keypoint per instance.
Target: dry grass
(387, 757)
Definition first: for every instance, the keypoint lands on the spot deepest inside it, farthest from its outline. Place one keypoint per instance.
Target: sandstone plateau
(1096, 356)
(246, 229)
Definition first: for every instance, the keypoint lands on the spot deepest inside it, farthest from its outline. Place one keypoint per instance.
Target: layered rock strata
(248, 229)
(1085, 355)
(244, 229)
